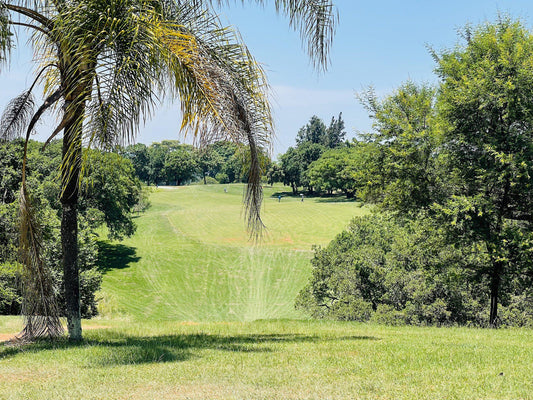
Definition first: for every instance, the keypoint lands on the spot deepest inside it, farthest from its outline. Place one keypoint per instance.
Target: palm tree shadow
(113, 348)
(115, 256)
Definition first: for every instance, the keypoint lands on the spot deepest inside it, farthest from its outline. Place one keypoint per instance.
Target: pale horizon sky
(380, 44)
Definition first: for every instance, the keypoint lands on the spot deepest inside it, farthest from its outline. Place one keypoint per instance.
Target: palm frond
(17, 116)
(316, 21)
(223, 95)
(39, 305)
(5, 34)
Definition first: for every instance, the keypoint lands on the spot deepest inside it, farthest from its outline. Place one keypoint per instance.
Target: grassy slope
(192, 262)
(191, 259)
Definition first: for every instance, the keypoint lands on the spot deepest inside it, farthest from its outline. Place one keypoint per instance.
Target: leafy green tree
(394, 272)
(274, 173)
(487, 98)
(109, 62)
(181, 164)
(110, 193)
(314, 131)
(291, 167)
(348, 169)
(139, 157)
(209, 162)
(43, 174)
(111, 187)
(408, 132)
(335, 134)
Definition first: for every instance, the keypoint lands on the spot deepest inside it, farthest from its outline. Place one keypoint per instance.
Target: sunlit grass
(271, 360)
(192, 259)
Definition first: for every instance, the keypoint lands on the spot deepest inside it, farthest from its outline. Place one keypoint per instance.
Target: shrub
(391, 271)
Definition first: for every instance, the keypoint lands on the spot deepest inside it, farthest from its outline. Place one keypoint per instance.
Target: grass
(277, 359)
(193, 260)
(192, 310)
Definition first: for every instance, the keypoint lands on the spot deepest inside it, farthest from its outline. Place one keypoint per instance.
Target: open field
(192, 310)
(192, 260)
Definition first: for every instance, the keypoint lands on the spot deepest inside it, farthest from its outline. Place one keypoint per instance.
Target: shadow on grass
(115, 256)
(284, 194)
(324, 198)
(336, 198)
(118, 349)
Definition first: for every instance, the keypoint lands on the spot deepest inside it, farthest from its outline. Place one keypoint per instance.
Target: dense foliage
(397, 272)
(173, 163)
(453, 166)
(312, 141)
(110, 194)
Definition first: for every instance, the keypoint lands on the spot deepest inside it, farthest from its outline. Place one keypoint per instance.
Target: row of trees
(109, 197)
(171, 162)
(452, 167)
(312, 141)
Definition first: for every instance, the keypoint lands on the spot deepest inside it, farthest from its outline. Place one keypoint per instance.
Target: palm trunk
(69, 244)
(69, 222)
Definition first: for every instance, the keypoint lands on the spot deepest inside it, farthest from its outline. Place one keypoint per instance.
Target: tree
(487, 98)
(108, 63)
(274, 173)
(394, 271)
(138, 155)
(407, 130)
(209, 162)
(335, 134)
(109, 194)
(349, 169)
(315, 132)
(291, 167)
(111, 187)
(181, 164)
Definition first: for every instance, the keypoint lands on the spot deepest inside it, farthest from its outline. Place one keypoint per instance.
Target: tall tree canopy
(455, 163)
(106, 64)
(487, 98)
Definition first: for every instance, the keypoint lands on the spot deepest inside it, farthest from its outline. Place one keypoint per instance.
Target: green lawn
(192, 310)
(271, 360)
(192, 260)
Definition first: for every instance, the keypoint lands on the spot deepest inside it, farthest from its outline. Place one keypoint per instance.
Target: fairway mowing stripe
(196, 263)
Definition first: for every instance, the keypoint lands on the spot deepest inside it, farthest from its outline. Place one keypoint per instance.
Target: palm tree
(104, 66)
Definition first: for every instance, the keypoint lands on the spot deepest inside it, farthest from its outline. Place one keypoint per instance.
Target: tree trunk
(70, 172)
(69, 245)
(494, 292)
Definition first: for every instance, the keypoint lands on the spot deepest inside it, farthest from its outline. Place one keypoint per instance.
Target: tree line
(173, 163)
(448, 170)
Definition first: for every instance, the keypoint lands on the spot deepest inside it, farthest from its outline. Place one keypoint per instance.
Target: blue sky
(378, 43)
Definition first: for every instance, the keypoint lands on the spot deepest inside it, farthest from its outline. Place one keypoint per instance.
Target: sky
(377, 43)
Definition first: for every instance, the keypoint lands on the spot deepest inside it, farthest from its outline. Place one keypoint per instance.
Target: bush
(10, 298)
(209, 180)
(222, 177)
(401, 272)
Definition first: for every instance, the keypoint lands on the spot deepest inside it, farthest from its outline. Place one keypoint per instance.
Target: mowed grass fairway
(192, 310)
(192, 260)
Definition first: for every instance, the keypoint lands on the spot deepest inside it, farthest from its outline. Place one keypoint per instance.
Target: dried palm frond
(16, 116)
(39, 304)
